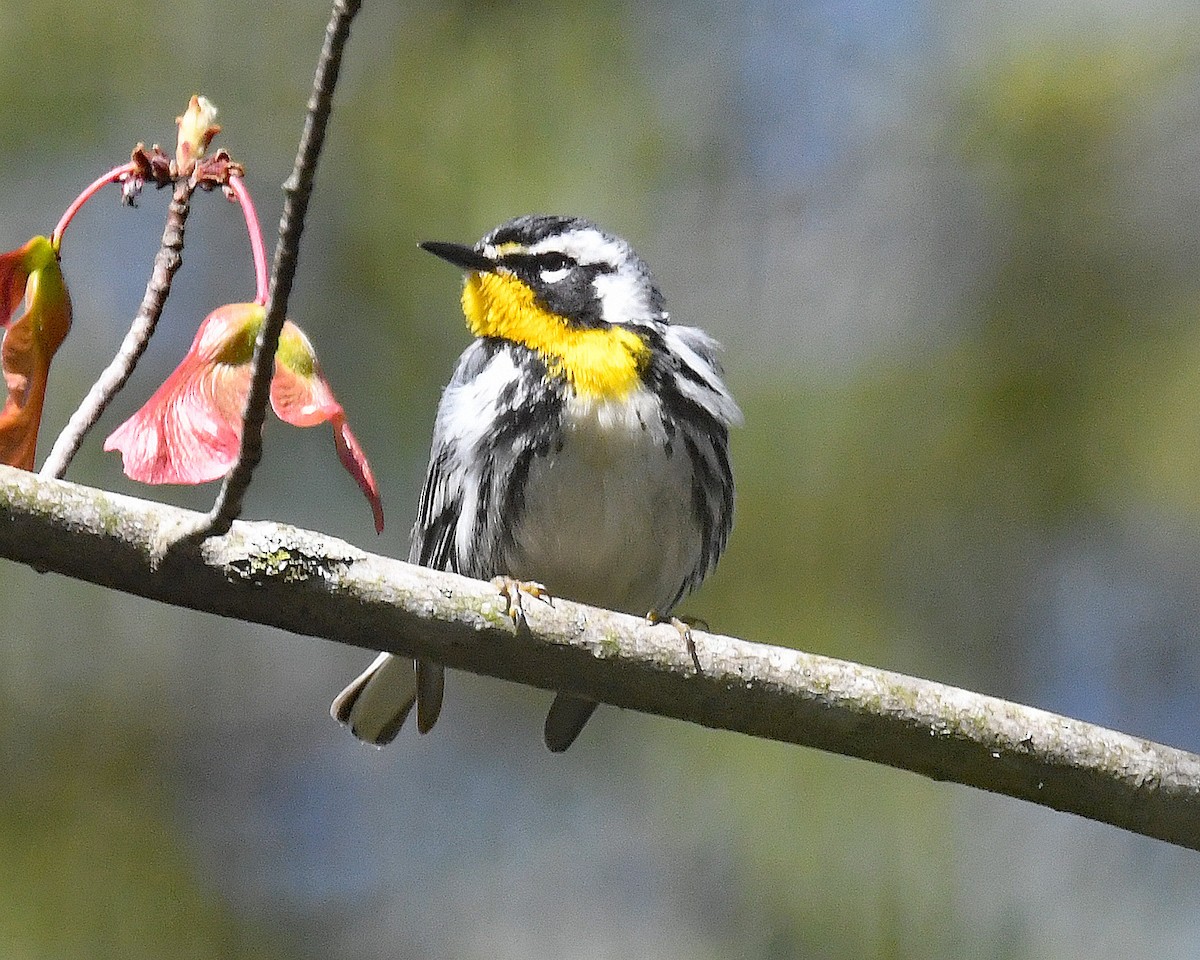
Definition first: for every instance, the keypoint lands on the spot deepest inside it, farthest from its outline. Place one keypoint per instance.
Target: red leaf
(14, 272)
(191, 429)
(30, 342)
(355, 461)
(302, 396)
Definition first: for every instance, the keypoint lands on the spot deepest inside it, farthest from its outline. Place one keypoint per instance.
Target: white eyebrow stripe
(585, 246)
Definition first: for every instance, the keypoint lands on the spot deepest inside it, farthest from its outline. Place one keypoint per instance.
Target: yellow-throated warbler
(582, 444)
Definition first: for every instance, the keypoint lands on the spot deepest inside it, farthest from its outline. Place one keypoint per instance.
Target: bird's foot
(684, 626)
(514, 590)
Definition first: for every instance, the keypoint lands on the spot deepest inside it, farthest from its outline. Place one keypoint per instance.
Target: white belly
(607, 519)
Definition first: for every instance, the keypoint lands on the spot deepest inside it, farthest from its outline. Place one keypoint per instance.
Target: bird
(580, 450)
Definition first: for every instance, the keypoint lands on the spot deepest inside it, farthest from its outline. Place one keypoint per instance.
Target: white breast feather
(608, 519)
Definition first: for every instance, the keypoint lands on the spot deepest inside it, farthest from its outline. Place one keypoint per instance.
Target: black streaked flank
(705, 440)
(529, 426)
(433, 533)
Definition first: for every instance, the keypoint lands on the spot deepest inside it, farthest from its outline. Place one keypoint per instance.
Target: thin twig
(297, 190)
(166, 263)
(318, 586)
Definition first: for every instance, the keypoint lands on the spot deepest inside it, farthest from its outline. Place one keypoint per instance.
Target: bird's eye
(553, 267)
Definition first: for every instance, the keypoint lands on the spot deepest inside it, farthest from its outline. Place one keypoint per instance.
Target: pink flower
(30, 342)
(190, 431)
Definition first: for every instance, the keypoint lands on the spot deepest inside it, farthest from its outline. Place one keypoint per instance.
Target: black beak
(459, 255)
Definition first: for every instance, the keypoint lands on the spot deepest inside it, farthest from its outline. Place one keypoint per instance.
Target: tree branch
(297, 191)
(315, 585)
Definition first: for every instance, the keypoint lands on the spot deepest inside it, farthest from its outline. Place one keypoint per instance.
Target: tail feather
(431, 682)
(377, 702)
(566, 719)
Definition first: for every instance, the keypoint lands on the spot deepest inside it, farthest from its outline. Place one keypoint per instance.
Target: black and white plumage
(582, 443)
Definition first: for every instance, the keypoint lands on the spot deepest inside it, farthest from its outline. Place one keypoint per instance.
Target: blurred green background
(951, 250)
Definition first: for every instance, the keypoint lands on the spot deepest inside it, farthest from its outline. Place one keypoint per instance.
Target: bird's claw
(513, 590)
(684, 626)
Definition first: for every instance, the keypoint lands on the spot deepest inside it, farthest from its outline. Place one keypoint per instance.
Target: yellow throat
(602, 364)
